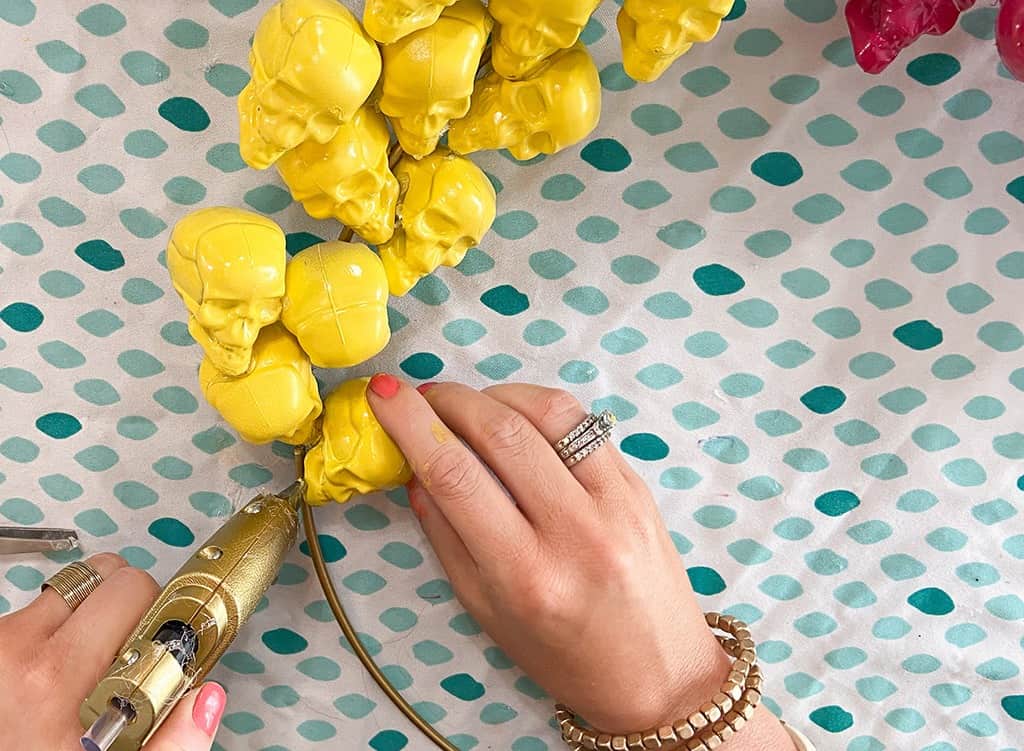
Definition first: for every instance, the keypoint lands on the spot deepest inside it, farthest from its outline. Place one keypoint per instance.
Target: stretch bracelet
(710, 726)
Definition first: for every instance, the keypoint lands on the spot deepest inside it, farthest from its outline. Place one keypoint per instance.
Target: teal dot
(578, 371)
(840, 323)
(102, 179)
(773, 651)
(823, 400)
(268, 199)
(60, 213)
(965, 472)
(142, 223)
(136, 428)
(794, 528)
(60, 135)
(319, 668)
(881, 101)
(100, 100)
(139, 364)
(946, 539)
(950, 367)
(1012, 545)
(21, 511)
(933, 69)
(794, 89)
(831, 130)
(1014, 706)
(61, 355)
(172, 468)
(586, 300)
(705, 344)
(633, 269)
(229, 80)
(806, 460)
(869, 532)
(968, 298)
(705, 81)
(398, 619)
(542, 333)
(818, 209)
(1000, 147)
(463, 686)
(984, 408)
(280, 697)
(905, 719)
(749, 552)
(528, 743)
(551, 264)
(659, 376)
(24, 578)
(22, 316)
(741, 385)
(933, 437)
(768, 243)
(890, 628)
(757, 43)
(172, 532)
(867, 175)
(825, 562)
(777, 168)
(655, 119)
(475, 262)
(839, 52)
(144, 69)
(176, 399)
(714, 517)
(505, 299)
(185, 114)
(496, 714)
(19, 87)
(431, 290)
(1016, 188)
(289, 574)
(875, 688)
(921, 664)
(1007, 607)
(679, 478)
(186, 34)
(422, 365)
(597, 229)
(760, 488)
(1010, 445)
(226, 158)
(705, 581)
(101, 19)
(613, 78)
(623, 341)
(931, 601)
(694, 415)
(846, 658)
(756, 313)
(20, 380)
(250, 475)
(968, 104)
(852, 253)
(184, 190)
(836, 502)
(135, 495)
(903, 400)
(21, 168)
(977, 574)
(645, 194)
(950, 694)
(401, 555)
(727, 449)
(716, 279)
(681, 235)
(139, 291)
(902, 219)
(555, 188)
(949, 183)
(645, 446)
(60, 56)
(871, 365)
(934, 259)
(789, 354)
(918, 335)
(742, 123)
(732, 199)
(213, 505)
(814, 625)
(21, 238)
(366, 518)
(691, 157)
(61, 487)
(284, 641)
(514, 225)
(668, 305)
(498, 367)
(317, 730)
(606, 155)
(242, 662)
(682, 545)
(431, 653)
(777, 422)
(985, 221)
(1001, 336)
(855, 595)
(993, 512)
(18, 12)
(144, 144)
(884, 466)
(781, 587)
(354, 706)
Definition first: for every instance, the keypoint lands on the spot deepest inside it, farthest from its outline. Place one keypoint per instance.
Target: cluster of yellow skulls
(352, 115)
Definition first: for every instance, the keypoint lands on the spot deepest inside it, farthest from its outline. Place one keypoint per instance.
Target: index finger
(482, 514)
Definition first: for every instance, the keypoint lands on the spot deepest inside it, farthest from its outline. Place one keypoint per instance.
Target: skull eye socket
(439, 225)
(531, 103)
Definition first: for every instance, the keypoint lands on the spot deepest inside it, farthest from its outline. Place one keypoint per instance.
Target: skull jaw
(230, 359)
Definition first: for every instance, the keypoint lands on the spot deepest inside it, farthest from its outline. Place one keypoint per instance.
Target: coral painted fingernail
(425, 387)
(384, 385)
(209, 707)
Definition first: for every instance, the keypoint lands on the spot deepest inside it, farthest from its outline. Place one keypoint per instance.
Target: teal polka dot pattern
(796, 286)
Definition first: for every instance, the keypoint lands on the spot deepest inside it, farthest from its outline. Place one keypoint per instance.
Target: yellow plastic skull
(277, 400)
(429, 74)
(354, 455)
(387, 21)
(447, 204)
(336, 303)
(348, 177)
(228, 267)
(312, 67)
(553, 108)
(654, 33)
(530, 31)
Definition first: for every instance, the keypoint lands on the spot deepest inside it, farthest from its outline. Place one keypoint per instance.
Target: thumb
(192, 724)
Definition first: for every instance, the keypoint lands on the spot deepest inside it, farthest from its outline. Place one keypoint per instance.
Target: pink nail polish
(384, 385)
(209, 707)
(425, 387)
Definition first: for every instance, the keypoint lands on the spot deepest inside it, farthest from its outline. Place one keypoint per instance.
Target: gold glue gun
(192, 623)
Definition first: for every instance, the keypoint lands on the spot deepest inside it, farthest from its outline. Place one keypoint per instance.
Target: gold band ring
(74, 583)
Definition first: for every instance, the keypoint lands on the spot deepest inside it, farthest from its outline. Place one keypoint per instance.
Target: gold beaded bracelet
(710, 726)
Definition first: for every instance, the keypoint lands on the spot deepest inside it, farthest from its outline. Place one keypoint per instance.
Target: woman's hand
(53, 657)
(575, 575)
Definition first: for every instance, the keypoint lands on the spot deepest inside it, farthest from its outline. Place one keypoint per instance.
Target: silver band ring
(74, 583)
(592, 432)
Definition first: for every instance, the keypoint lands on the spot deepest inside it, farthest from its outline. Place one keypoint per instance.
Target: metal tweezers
(15, 540)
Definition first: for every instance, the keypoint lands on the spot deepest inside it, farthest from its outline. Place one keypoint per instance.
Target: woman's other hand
(52, 657)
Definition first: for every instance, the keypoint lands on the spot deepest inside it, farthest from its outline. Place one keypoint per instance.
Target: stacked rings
(74, 583)
(583, 440)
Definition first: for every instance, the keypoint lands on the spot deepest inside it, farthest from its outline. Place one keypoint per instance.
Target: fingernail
(425, 387)
(209, 707)
(384, 385)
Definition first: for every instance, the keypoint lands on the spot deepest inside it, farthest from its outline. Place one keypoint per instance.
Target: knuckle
(452, 473)
(510, 435)
(559, 407)
(137, 582)
(107, 563)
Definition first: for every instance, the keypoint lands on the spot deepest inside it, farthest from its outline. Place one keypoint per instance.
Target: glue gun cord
(331, 594)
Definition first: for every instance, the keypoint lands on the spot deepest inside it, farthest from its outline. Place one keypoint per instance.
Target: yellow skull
(447, 205)
(530, 31)
(555, 107)
(275, 401)
(354, 455)
(387, 21)
(336, 303)
(312, 67)
(228, 267)
(429, 74)
(655, 33)
(348, 177)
